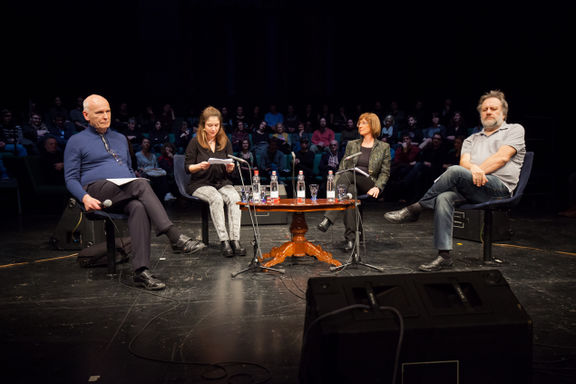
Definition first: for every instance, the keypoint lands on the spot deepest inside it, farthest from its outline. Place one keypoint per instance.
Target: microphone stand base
(354, 262)
(256, 267)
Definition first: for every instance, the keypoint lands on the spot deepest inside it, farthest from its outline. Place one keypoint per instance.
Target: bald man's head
(97, 112)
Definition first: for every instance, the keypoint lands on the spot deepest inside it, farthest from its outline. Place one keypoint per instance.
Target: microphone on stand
(238, 159)
(352, 156)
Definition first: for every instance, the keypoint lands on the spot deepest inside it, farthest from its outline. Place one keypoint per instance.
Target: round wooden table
(299, 245)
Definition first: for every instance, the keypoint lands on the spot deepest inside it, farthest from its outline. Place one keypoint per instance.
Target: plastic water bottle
(330, 187)
(301, 187)
(274, 187)
(256, 187)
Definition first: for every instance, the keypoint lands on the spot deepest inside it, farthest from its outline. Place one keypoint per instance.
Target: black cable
(364, 306)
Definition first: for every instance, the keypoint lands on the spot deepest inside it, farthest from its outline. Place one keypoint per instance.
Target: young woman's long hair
(221, 138)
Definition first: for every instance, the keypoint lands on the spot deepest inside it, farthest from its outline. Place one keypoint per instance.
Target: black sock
(140, 270)
(415, 208)
(172, 234)
(444, 254)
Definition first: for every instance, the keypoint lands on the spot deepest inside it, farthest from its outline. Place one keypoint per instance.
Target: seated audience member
(305, 161)
(330, 160)
(435, 127)
(260, 140)
(183, 136)
(11, 135)
(148, 168)
(374, 160)
(34, 133)
(321, 137)
(412, 129)
(453, 153)
(238, 136)
(402, 174)
(52, 162)
(430, 164)
(283, 138)
(272, 160)
(350, 132)
(133, 134)
(166, 162)
(211, 182)
(297, 137)
(158, 136)
(456, 126)
(76, 116)
(246, 154)
(388, 129)
(273, 117)
(489, 168)
(99, 153)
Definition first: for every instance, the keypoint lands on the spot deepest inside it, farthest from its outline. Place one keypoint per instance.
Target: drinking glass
(341, 191)
(314, 191)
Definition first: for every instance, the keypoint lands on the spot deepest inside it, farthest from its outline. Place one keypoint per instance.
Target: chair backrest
(518, 192)
(181, 177)
(524, 176)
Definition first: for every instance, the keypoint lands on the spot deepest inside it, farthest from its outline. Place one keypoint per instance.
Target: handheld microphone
(352, 156)
(238, 159)
(106, 203)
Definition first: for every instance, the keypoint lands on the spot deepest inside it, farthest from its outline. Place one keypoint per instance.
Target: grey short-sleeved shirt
(480, 147)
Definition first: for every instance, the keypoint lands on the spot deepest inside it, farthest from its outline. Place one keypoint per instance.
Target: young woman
(373, 160)
(211, 182)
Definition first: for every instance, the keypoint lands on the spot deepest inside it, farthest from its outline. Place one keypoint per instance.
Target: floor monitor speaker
(458, 327)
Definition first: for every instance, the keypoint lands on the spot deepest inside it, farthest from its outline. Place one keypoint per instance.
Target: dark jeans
(453, 187)
(140, 203)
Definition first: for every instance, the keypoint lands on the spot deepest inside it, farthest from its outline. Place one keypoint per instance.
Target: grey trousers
(217, 198)
(454, 187)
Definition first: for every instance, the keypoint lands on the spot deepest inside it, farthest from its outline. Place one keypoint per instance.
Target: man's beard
(491, 123)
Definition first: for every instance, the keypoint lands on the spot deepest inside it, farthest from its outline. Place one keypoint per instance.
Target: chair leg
(110, 246)
(205, 216)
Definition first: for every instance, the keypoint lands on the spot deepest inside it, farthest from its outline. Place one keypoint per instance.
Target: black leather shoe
(438, 264)
(187, 245)
(226, 249)
(348, 246)
(324, 224)
(400, 216)
(148, 281)
(238, 249)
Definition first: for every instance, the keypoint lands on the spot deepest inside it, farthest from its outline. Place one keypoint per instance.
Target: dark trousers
(364, 184)
(144, 210)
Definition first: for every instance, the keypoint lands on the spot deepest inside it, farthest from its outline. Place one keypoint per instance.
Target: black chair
(182, 179)
(500, 204)
(109, 228)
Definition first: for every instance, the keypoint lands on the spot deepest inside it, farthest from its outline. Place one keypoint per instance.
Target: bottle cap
(256, 172)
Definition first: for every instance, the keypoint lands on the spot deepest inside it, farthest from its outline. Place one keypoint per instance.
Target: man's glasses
(110, 151)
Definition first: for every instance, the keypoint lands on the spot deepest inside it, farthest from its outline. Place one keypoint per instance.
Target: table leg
(299, 246)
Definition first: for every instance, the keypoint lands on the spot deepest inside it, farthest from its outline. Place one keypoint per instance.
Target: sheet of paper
(123, 180)
(213, 160)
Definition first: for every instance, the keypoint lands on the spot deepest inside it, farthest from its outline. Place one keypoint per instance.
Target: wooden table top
(307, 205)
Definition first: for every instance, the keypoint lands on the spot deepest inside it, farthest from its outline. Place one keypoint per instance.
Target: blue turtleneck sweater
(87, 160)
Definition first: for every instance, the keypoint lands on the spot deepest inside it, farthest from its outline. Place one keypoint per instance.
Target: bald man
(97, 154)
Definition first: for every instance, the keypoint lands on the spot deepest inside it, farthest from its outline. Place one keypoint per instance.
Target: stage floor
(64, 324)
